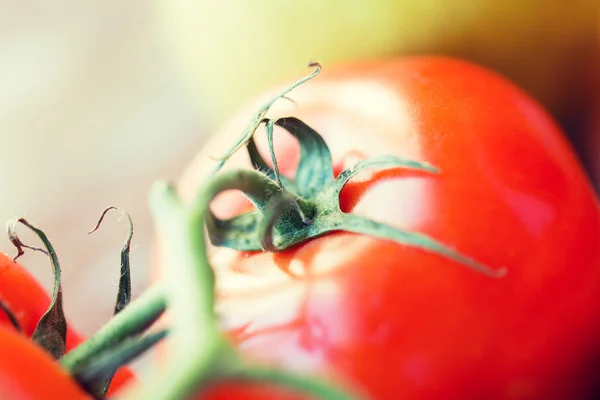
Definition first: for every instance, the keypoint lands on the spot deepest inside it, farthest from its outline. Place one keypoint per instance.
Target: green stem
(94, 376)
(190, 279)
(134, 318)
(316, 388)
(195, 339)
(184, 374)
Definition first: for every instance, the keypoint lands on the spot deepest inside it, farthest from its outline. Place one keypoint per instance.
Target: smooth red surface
(26, 298)
(28, 301)
(29, 373)
(402, 323)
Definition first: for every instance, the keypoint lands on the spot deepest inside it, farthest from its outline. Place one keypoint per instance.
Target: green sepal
(260, 116)
(279, 228)
(241, 232)
(260, 165)
(380, 162)
(124, 292)
(315, 169)
(51, 330)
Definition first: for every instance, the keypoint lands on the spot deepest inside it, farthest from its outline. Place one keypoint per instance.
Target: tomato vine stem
(135, 318)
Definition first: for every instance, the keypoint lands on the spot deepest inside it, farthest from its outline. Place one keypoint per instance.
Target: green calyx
(290, 212)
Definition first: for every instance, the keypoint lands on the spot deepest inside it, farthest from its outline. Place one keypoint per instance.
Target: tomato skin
(26, 298)
(28, 301)
(399, 322)
(28, 372)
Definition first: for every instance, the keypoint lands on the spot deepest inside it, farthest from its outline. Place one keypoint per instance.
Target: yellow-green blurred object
(229, 50)
(591, 136)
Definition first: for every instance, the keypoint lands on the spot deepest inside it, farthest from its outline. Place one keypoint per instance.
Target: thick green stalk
(134, 318)
(194, 339)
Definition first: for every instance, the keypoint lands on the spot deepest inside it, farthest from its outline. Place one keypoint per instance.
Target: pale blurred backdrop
(100, 98)
(90, 115)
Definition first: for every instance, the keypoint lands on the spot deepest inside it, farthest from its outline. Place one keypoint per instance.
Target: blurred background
(100, 98)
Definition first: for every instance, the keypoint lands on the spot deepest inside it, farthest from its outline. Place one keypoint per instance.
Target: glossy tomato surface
(395, 322)
(28, 301)
(29, 373)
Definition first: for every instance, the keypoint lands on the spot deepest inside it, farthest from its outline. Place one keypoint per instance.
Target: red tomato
(28, 301)
(401, 323)
(28, 372)
(26, 298)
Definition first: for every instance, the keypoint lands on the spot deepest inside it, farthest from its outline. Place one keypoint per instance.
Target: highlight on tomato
(497, 183)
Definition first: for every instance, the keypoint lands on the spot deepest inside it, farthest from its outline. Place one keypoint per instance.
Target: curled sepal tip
(11, 230)
(124, 293)
(258, 118)
(51, 330)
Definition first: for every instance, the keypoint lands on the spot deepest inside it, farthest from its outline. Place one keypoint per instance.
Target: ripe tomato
(28, 372)
(398, 322)
(28, 301)
(26, 298)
